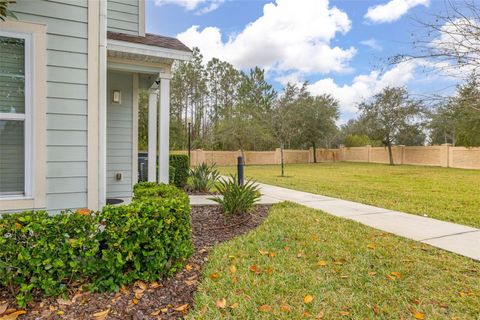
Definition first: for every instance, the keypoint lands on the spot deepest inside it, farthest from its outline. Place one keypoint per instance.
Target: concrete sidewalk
(453, 237)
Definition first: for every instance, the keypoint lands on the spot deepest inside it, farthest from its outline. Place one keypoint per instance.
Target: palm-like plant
(203, 177)
(235, 198)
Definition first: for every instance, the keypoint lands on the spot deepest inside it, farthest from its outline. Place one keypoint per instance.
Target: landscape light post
(240, 167)
(189, 140)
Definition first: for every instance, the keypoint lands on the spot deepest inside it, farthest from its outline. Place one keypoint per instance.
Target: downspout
(102, 105)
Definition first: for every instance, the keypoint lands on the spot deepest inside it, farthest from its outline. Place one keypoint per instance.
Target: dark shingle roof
(150, 40)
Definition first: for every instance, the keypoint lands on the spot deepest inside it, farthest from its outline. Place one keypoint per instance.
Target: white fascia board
(146, 50)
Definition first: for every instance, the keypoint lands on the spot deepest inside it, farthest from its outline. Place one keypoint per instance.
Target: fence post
(445, 155)
(402, 154)
(369, 153)
(278, 156)
(341, 154)
(200, 157)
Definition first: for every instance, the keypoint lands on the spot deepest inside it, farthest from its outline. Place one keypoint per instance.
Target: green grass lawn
(351, 271)
(441, 193)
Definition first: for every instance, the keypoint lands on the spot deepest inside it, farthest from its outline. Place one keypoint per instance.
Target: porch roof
(150, 40)
(149, 48)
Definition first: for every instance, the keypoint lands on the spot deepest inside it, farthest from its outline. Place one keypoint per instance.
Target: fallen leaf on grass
(371, 246)
(265, 308)
(344, 313)
(255, 269)
(214, 276)
(269, 271)
(154, 285)
(221, 304)
(418, 315)
(375, 309)
(461, 294)
(14, 315)
(322, 263)
(181, 308)
(389, 277)
(233, 269)
(371, 273)
(134, 301)
(286, 248)
(60, 313)
(396, 274)
(307, 299)
(285, 308)
(263, 252)
(234, 305)
(102, 315)
(188, 267)
(272, 254)
(320, 315)
(306, 314)
(234, 279)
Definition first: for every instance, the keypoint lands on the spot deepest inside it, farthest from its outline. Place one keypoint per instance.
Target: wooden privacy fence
(443, 156)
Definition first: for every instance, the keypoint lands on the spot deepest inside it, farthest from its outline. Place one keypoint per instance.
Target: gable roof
(150, 40)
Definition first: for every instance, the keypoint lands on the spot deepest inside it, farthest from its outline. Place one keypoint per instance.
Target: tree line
(229, 109)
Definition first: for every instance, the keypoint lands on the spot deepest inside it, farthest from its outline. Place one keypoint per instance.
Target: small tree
(280, 118)
(389, 113)
(316, 118)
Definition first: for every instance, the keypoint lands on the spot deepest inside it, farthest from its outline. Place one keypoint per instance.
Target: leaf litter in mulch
(167, 299)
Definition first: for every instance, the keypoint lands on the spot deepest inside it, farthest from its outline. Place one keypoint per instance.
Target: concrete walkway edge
(456, 238)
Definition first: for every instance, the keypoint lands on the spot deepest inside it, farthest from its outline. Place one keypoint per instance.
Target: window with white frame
(15, 115)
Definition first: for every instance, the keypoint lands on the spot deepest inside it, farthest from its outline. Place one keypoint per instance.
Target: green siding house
(70, 74)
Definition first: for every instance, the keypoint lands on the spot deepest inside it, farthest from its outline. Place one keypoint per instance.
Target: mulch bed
(156, 300)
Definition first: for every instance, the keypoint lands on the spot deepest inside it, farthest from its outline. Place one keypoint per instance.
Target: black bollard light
(240, 171)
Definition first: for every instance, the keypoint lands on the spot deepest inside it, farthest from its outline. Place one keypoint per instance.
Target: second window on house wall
(15, 115)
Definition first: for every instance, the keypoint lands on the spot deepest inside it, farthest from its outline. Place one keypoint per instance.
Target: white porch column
(164, 129)
(152, 135)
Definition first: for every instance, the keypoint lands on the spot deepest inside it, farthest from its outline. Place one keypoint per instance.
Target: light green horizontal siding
(55, 26)
(75, 76)
(67, 43)
(66, 106)
(122, 16)
(67, 59)
(66, 169)
(67, 63)
(65, 137)
(62, 201)
(119, 136)
(66, 185)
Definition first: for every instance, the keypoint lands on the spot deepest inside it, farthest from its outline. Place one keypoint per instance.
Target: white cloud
(201, 6)
(372, 44)
(288, 37)
(392, 10)
(364, 86)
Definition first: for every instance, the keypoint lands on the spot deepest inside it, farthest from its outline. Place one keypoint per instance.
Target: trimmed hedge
(181, 164)
(146, 240)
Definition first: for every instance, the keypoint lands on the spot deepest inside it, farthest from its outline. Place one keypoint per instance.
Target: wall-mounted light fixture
(117, 96)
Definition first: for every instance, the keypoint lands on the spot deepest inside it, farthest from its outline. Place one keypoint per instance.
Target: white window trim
(25, 117)
(34, 117)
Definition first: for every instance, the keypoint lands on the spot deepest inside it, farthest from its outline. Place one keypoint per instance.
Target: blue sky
(340, 46)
